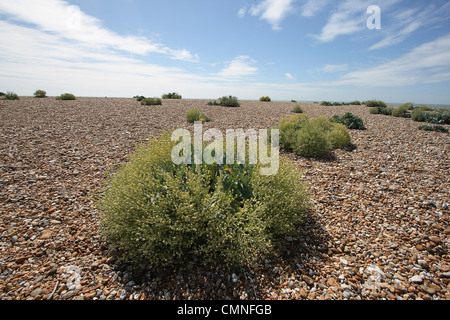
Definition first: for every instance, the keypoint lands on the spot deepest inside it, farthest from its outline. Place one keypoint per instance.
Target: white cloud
(332, 68)
(289, 76)
(241, 13)
(69, 23)
(427, 63)
(273, 11)
(241, 66)
(312, 7)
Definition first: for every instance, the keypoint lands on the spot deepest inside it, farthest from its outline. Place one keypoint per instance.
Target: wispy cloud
(427, 63)
(312, 7)
(332, 68)
(273, 11)
(242, 11)
(238, 68)
(69, 23)
(405, 23)
(289, 76)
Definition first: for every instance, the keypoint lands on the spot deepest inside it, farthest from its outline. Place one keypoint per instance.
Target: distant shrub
(403, 111)
(213, 103)
(375, 103)
(350, 120)
(151, 102)
(265, 99)
(294, 101)
(326, 103)
(158, 213)
(297, 109)
(419, 115)
(385, 111)
(434, 128)
(229, 101)
(66, 96)
(139, 98)
(172, 95)
(2, 94)
(312, 138)
(355, 103)
(195, 115)
(40, 94)
(11, 96)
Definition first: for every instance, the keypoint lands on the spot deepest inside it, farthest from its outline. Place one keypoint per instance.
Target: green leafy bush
(11, 96)
(403, 111)
(40, 94)
(355, 103)
(2, 94)
(151, 102)
(193, 115)
(312, 138)
(265, 99)
(326, 103)
(297, 109)
(386, 111)
(434, 128)
(419, 115)
(172, 95)
(350, 120)
(139, 98)
(229, 101)
(375, 103)
(66, 96)
(158, 213)
(339, 136)
(294, 101)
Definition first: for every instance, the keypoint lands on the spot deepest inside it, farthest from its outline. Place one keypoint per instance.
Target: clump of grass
(172, 95)
(375, 104)
(385, 111)
(297, 109)
(265, 99)
(66, 96)
(158, 213)
(229, 101)
(350, 120)
(194, 115)
(434, 128)
(403, 111)
(11, 96)
(151, 102)
(40, 94)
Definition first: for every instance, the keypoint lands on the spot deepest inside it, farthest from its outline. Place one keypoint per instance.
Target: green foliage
(151, 102)
(11, 96)
(297, 109)
(385, 111)
(375, 103)
(355, 103)
(312, 138)
(2, 94)
(162, 214)
(40, 94)
(419, 115)
(193, 115)
(434, 128)
(66, 96)
(294, 101)
(229, 101)
(265, 99)
(139, 98)
(326, 103)
(403, 111)
(350, 120)
(172, 95)
(339, 136)
(436, 117)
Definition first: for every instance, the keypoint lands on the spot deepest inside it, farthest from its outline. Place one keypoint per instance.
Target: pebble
(416, 279)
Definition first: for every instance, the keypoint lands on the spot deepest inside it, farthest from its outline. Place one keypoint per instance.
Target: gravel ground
(379, 228)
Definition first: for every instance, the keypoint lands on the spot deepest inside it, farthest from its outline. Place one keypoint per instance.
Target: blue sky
(308, 50)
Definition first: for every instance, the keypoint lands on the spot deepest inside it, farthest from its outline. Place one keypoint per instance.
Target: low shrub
(229, 101)
(403, 111)
(11, 96)
(326, 103)
(139, 98)
(40, 94)
(375, 103)
(350, 120)
(434, 128)
(213, 103)
(297, 109)
(195, 115)
(158, 213)
(66, 96)
(265, 99)
(172, 95)
(2, 94)
(419, 115)
(355, 103)
(294, 101)
(312, 138)
(151, 102)
(385, 111)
